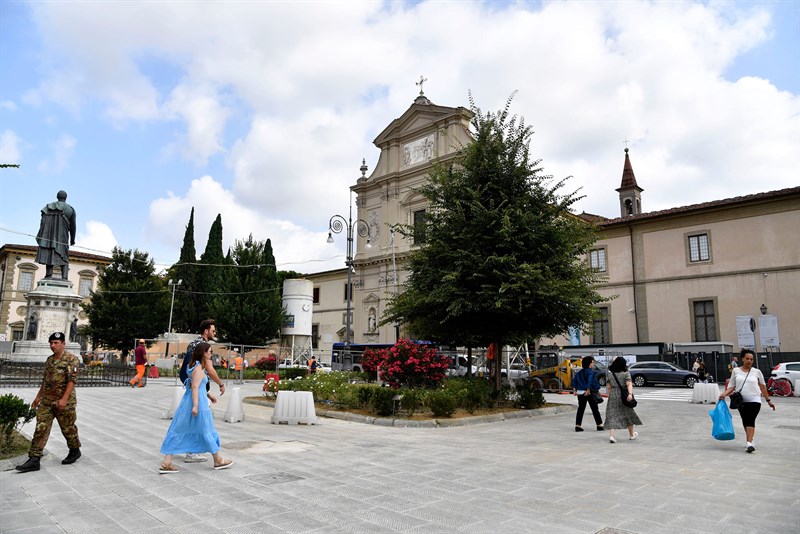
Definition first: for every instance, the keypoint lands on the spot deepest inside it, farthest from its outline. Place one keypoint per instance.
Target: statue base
(52, 307)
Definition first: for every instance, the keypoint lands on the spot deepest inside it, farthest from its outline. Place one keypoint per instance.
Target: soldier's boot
(31, 465)
(64, 271)
(48, 271)
(73, 455)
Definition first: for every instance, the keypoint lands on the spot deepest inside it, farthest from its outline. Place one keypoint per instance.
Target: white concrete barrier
(797, 388)
(295, 407)
(176, 401)
(235, 411)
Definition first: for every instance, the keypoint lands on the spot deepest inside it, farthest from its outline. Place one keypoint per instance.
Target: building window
(316, 296)
(601, 331)
(705, 322)
(597, 259)
(419, 227)
(699, 249)
(315, 336)
(85, 287)
(344, 319)
(25, 281)
(16, 334)
(346, 296)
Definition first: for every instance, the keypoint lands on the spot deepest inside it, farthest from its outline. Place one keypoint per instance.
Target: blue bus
(344, 360)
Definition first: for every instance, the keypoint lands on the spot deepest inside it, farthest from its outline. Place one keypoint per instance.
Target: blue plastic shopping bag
(722, 428)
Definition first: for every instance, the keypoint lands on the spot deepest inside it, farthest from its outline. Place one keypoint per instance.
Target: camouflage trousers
(45, 414)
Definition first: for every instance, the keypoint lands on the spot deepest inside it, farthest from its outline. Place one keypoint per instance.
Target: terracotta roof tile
(705, 205)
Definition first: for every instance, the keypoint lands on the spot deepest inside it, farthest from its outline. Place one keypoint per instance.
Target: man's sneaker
(32, 464)
(750, 448)
(167, 469)
(73, 455)
(194, 458)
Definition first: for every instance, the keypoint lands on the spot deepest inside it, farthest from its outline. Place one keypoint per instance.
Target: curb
(430, 423)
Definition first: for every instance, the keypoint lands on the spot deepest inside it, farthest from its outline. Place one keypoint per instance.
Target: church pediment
(417, 119)
(371, 299)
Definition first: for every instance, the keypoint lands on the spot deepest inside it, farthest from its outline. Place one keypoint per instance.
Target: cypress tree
(210, 275)
(185, 317)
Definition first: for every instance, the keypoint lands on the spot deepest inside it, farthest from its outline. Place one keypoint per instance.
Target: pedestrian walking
(312, 365)
(618, 416)
(587, 388)
(192, 429)
(238, 367)
(208, 333)
(733, 365)
(749, 382)
(56, 399)
(140, 357)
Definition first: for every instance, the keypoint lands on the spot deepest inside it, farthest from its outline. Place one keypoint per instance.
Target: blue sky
(262, 111)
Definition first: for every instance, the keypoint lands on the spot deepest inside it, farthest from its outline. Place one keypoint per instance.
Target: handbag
(624, 398)
(736, 396)
(722, 428)
(596, 396)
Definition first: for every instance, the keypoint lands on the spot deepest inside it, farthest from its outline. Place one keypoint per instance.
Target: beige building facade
(19, 274)
(673, 276)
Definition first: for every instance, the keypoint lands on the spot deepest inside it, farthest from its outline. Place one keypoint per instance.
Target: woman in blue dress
(192, 429)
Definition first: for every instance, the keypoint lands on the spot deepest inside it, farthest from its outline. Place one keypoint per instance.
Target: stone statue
(33, 328)
(73, 330)
(56, 234)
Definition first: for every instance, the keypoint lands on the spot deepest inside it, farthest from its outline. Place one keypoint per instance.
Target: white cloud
(97, 238)
(9, 147)
(293, 94)
(295, 247)
(10, 105)
(205, 118)
(63, 149)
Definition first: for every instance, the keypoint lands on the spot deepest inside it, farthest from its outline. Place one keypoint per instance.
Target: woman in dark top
(584, 383)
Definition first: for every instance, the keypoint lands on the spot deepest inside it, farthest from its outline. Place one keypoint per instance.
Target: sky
(262, 111)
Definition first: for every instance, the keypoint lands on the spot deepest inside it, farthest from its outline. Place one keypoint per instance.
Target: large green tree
(248, 308)
(211, 272)
(185, 316)
(130, 302)
(503, 259)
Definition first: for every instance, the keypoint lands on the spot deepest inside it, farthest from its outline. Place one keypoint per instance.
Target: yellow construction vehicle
(555, 378)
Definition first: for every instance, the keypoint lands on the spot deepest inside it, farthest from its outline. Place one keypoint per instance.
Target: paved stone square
(516, 476)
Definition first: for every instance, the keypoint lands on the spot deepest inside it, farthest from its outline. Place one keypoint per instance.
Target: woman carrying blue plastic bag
(722, 429)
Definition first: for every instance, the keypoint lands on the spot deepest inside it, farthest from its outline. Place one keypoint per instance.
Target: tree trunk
(498, 359)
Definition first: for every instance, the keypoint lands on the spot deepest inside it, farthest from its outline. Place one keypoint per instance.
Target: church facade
(677, 275)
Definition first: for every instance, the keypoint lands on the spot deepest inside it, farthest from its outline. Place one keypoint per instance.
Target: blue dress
(188, 433)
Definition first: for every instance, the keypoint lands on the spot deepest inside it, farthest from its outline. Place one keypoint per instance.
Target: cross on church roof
(626, 142)
(422, 80)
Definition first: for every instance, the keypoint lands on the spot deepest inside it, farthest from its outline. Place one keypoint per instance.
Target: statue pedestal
(52, 307)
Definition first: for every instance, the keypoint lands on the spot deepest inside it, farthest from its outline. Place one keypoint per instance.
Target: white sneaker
(634, 436)
(194, 458)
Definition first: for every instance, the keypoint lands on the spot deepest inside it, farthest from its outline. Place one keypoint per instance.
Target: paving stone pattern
(527, 475)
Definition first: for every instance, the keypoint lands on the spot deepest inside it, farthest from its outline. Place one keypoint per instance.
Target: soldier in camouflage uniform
(55, 399)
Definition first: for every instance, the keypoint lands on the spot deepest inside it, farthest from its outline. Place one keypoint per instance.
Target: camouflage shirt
(57, 374)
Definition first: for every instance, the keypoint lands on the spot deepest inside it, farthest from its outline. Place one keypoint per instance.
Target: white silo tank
(298, 300)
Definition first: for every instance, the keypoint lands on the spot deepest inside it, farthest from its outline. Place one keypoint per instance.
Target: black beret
(56, 336)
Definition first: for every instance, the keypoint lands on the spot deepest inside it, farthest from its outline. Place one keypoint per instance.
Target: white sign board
(768, 331)
(744, 331)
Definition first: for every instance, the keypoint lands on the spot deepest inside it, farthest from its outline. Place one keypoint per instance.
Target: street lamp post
(336, 225)
(174, 285)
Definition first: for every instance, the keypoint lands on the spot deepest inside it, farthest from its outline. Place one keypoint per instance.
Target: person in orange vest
(140, 354)
(238, 367)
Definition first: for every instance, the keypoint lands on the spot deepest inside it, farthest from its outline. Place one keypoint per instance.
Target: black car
(644, 373)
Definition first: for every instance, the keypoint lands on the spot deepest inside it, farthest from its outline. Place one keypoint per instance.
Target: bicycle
(780, 387)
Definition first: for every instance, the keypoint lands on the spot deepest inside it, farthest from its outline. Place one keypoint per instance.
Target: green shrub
(363, 394)
(347, 398)
(292, 372)
(382, 401)
(14, 412)
(441, 402)
(412, 401)
(529, 398)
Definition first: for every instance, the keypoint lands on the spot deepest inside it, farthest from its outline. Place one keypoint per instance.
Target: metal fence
(29, 374)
